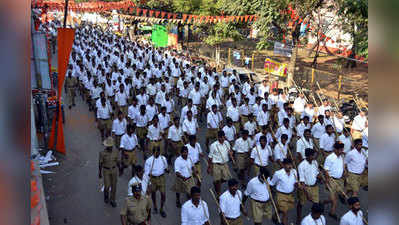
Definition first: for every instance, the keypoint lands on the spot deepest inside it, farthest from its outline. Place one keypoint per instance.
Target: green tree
(354, 19)
(273, 21)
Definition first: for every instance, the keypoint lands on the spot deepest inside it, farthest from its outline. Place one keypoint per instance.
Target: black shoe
(342, 199)
(155, 211)
(334, 216)
(73, 104)
(163, 214)
(113, 204)
(178, 204)
(106, 200)
(70, 107)
(366, 188)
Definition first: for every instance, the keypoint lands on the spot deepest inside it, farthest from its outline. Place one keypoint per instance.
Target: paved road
(73, 192)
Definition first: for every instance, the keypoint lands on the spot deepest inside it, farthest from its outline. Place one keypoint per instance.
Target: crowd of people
(274, 153)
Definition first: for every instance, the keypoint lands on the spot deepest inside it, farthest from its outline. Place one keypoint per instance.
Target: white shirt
(213, 120)
(194, 152)
(132, 111)
(351, 219)
(359, 123)
(174, 133)
(129, 142)
(299, 105)
(347, 141)
(164, 120)
(250, 127)
(261, 155)
(308, 220)
(151, 111)
(308, 172)
(119, 127)
(327, 142)
(190, 127)
(104, 112)
(257, 190)
(284, 183)
(141, 120)
(121, 98)
(160, 165)
(356, 161)
(192, 215)
(302, 144)
(318, 129)
(136, 180)
(244, 110)
(280, 151)
(334, 165)
(219, 152)
(184, 167)
(233, 113)
(229, 132)
(308, 112)
(301, 128)
(231, 205)
(338, 124)
(283, 130)
(242, 146)
(262, 118)
(195, 96)
(154, 133)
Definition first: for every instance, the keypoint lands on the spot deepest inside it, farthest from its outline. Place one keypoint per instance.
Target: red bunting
(138, 10)
(151, 12)
(157, 13)
(189, 18)
(169, 15)
(184, 17)
(145, 12)
(174, 16)
(246, 18)
(163, 14)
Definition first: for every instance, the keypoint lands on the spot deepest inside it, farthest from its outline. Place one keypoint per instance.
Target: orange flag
(65, 41)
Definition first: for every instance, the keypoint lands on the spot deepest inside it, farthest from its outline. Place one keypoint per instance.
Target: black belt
(231, 218)
(314, 185)
(260, 201)
(197, 163)
(359, 174)
(336, 178)
(284, 193)
(156, 140)
(221, 164)
(242, 152)
(104, 119)
(109, 168)
(175, 141)
(157, 176)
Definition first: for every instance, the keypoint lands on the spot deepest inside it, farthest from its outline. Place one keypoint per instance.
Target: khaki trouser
(313, 192)
(237, 221)
(260, 209)
(71, 96)
(110, 179)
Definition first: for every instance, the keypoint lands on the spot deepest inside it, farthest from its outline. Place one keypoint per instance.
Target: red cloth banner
(184, 17)
(65, 40)
(246, 18)
(151, 12)
(138, 10)
(157, 13)
(169, 15)
(163, 14)
(145, 12)
(174, 16)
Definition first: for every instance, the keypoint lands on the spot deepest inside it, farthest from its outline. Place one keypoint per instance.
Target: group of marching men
(154, 101)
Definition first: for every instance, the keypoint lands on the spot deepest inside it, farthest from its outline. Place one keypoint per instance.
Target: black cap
(353, 200)
(232, 182)
(317, 208)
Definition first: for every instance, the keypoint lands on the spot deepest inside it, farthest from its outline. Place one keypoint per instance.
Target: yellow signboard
(275, 68)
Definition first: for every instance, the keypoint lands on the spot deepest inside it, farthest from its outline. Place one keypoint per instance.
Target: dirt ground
(354, 80)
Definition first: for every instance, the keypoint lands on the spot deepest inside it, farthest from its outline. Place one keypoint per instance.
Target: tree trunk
(314, 63)
(291, 65)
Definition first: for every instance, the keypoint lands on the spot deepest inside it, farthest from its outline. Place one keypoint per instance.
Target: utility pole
(66, 12)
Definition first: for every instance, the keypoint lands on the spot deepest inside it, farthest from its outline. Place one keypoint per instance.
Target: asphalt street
(73, 192)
